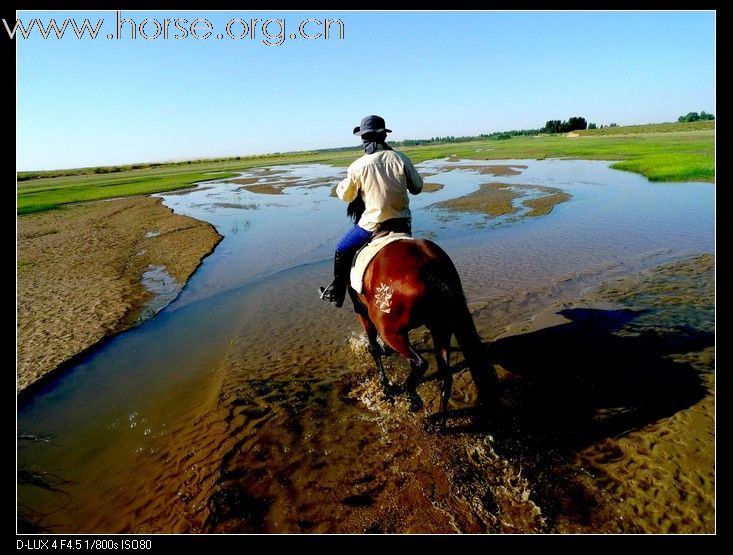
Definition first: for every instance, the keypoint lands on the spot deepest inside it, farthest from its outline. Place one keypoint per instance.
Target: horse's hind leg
(441, 344)
(400, 343)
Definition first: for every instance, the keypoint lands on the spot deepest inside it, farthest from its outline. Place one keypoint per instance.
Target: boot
(336, 292)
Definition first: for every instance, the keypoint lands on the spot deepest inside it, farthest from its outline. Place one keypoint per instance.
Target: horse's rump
(417, 268)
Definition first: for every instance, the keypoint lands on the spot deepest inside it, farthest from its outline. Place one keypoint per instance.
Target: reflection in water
(250, 405)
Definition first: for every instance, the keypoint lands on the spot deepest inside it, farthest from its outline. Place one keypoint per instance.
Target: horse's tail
(472, 348)
(447, 293)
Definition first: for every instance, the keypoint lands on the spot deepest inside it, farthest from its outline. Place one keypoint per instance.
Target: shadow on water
(575, 383)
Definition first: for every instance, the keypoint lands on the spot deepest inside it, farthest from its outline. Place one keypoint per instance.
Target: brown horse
(412, 283)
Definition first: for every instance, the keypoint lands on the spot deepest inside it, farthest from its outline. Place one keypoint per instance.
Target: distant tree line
(557, 126)
(575, 123)
(498, 135)
(433, 140)
(694, 116)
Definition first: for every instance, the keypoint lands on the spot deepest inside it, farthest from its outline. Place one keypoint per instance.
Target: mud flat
(431, 187)
(492, 199)
(495, 170)
(268, 181)
(264, 189)
(81, 271)
(543, 205)
(497, 199)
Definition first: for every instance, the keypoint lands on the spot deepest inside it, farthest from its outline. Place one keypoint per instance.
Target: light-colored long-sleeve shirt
(383, 179)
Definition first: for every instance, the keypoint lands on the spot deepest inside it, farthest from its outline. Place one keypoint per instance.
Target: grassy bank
(43, 194)
(660, 152)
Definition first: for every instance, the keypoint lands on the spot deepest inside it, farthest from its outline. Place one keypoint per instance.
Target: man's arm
(348, 188)
(414, 181)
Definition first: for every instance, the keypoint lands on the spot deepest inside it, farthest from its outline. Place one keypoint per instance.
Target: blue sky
(97, 102)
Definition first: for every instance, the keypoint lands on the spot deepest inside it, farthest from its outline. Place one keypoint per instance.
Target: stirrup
(326, 293)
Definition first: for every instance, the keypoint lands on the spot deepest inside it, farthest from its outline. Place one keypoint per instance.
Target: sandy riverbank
(79, 273)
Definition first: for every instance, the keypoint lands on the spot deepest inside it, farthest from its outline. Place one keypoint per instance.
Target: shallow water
(249, 405)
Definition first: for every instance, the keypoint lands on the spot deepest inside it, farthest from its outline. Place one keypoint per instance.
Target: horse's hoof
(415, 402)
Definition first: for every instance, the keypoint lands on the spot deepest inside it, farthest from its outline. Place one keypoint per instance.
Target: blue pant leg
(355, 238)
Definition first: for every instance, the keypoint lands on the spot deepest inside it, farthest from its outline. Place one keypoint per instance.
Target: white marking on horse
(383, 298)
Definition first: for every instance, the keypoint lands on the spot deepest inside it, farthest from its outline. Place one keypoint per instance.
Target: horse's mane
(355, 208)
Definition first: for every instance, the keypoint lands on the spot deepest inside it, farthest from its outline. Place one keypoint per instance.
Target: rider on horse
(381, 178)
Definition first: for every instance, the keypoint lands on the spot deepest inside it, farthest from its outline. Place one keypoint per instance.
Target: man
(382, 178)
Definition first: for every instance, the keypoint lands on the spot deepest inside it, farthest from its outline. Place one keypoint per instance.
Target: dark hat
(371, 124)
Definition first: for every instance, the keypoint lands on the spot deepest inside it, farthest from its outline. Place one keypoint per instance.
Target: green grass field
(661, 152)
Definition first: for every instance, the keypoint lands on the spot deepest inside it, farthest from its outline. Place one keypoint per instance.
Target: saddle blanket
(365, 255)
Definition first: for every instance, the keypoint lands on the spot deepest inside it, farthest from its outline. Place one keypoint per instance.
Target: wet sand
(612, 395)
(501, 170)
(497, 199)
(278, 187)
(543, 205)
(80, 270)
(272, 181)
(244, 180)
(669, 464)
(492, 199)
(432, 187)
(265, 189)
(594, 429)
(495, 170)
(256, 175)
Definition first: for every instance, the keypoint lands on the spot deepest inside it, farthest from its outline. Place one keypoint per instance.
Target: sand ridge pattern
(325, 453)
(79, 271)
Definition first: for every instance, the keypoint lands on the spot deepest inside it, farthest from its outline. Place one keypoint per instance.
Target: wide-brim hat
(371, 124)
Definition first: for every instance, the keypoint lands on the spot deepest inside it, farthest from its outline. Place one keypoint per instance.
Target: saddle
(388, 231)
(394, 225)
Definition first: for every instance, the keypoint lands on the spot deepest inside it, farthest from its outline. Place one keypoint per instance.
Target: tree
(592, 126)
(691, 116)
(576, 123)
(705, 116)
(552, 126)
(557, 126)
